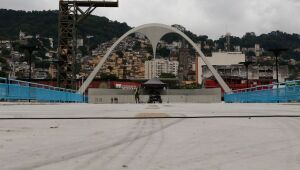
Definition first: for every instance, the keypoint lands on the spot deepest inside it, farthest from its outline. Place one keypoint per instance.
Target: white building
(140, 35)
(155, 67)
(219, 59)
(79, 42)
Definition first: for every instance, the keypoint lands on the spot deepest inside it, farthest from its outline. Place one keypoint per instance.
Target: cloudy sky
(209, 17)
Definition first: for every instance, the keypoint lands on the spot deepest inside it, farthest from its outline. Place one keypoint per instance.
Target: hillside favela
(149, 85)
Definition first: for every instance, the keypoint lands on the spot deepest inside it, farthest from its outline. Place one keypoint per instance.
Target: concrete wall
(105, 96)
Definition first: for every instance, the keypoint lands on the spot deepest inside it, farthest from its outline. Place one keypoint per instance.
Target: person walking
(137, 95)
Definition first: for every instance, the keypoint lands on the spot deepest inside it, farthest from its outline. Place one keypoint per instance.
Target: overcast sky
(206, 17)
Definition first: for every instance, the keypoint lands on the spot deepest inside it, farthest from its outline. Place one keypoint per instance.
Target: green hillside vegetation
(275, 39)
(45, 24)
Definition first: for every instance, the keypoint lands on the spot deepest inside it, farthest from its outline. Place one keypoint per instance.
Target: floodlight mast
(71, 13)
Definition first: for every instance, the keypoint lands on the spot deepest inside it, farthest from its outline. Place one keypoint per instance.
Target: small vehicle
(155, 99)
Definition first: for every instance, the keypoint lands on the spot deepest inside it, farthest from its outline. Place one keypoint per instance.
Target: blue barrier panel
(21, 90)
(274, 93)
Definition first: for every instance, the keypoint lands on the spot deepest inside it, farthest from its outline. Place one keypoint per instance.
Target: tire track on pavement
(79, 153)
(139, 148)
(161, 139)
(131, 141)
(103, 153)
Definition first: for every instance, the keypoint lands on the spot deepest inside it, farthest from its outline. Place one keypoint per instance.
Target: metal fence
(16, 90)
(274, 93)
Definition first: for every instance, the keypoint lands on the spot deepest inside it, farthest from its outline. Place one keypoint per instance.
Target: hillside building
(154, 68)
(218, 59)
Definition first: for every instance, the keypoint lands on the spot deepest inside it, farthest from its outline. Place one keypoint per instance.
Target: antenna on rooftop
(228, 41)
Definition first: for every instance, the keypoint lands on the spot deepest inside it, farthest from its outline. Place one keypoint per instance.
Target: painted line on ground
(129, 118)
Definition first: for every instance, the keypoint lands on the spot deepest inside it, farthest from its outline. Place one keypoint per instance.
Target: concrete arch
(154, 32)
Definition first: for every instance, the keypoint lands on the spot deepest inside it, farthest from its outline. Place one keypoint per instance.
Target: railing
(274, 93)
(16, 90)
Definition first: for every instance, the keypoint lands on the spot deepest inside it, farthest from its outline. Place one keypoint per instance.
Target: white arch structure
(154, 32)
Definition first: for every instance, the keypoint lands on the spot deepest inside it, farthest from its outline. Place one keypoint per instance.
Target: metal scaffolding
(71, 13)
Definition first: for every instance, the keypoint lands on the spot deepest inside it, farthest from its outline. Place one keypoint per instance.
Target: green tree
(137, 45)
(45, 23)
(120, 54)
(6, 52)
(250, 54)
(83, 50)
(167, 75)
(108, 77)
(4, 66)
(164, 52)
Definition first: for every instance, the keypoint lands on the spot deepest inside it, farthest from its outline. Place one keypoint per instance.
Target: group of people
(152, 98)
(136, 97)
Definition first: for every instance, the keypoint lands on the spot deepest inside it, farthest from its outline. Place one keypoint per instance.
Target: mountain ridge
(45, 23)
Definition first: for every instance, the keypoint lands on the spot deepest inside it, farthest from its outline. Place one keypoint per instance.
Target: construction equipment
(71, 13)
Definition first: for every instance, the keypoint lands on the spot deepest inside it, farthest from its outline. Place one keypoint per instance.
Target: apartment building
(154, 68)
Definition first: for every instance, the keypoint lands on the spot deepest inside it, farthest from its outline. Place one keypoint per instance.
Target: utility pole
(71, 13)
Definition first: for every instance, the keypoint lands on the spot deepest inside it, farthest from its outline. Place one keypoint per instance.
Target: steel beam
(70, 15)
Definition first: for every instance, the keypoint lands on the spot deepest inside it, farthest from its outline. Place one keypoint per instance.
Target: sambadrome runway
(150, 137)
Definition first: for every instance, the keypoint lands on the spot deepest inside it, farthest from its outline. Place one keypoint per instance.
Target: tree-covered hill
(274, 39)
(45, 23)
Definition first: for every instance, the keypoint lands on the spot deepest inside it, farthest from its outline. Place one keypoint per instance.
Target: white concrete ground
(162, 144)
